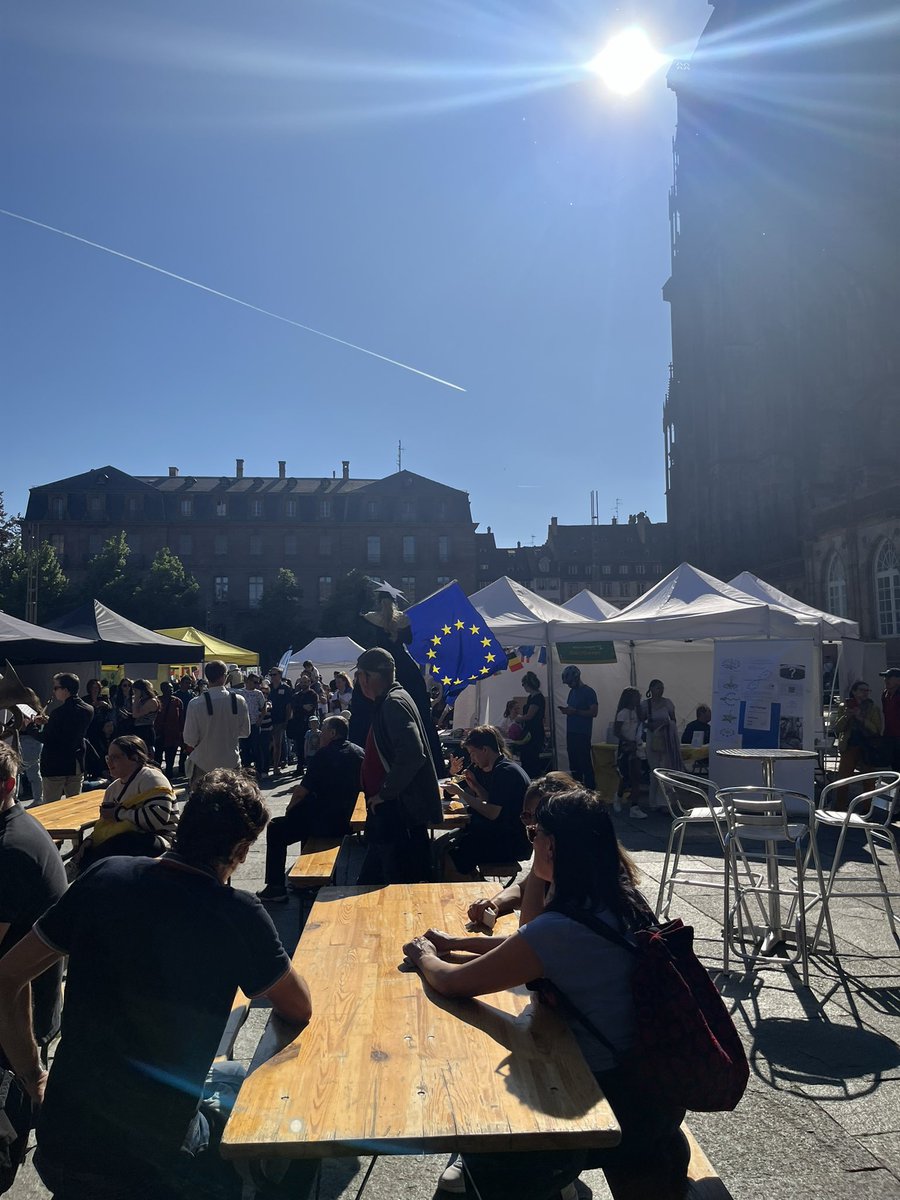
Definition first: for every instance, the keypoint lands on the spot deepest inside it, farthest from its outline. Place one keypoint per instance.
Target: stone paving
(821, 1117)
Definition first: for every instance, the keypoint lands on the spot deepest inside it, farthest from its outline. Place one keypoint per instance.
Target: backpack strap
(208, 698)
(233, 704)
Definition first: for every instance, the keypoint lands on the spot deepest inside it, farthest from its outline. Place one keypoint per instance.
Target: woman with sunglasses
(577, 855)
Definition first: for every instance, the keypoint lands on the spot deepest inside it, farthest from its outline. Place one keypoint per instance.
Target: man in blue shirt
(580, 709)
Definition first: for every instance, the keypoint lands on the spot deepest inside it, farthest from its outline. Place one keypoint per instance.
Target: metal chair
(691, 801)
(871, 812)
(759, 823)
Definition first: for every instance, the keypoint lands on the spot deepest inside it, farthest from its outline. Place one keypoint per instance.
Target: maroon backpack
(688, 1051)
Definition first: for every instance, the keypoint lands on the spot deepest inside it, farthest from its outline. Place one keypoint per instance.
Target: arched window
(887, 590)
(836, 587)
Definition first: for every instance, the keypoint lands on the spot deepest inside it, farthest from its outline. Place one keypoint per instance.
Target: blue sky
(436, 180)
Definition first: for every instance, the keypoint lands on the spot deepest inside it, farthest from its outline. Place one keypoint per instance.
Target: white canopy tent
(328, 654)
(521, 618)
(587, 604)
(831, 627)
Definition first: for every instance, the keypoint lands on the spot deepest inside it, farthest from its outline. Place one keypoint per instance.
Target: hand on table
(417, 949)
(442, 941)
(479, 909)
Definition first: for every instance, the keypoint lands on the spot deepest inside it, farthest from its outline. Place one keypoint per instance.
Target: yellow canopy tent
(214, 647)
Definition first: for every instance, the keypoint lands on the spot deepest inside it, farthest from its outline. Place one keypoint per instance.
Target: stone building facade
(234, 532)
(781, 430)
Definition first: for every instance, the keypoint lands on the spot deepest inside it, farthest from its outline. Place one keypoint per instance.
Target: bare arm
(533, 898)
(290, 998)
(28, 958)
(510, 964)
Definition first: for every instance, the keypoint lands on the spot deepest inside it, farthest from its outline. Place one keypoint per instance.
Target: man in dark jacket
(62, 758)
(398, 778)
(321, 804)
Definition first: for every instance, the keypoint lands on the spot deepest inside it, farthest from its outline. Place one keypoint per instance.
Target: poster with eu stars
(451, 639)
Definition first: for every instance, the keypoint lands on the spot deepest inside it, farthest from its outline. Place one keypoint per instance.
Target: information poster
(764, 696)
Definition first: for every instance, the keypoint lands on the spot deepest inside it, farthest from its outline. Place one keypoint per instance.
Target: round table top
(762, 752)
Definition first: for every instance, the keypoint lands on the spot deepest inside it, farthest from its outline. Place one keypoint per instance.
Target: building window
(325, 582)
(573, 570)
(96, 506)
(290, 544)
(220, 588)
(887, 590)
(95, 543)
(58, 542)
(324, 508)
(836, 587)
(186, 507)
(408, 587)
(443, 548)
(407, 510)
(185, 545)
(371, 509)
(373, 549)
(326, 546)
(290, 508)
(221, 508)
(256, 508)
(133, 505)
(640, 569)
(255, 544)
(409, 549)
(255, 591)
(606, 569)
(443, 580)
(623, 570)
(133, 541)
(220, 544)
(442, 510)
(57, 507)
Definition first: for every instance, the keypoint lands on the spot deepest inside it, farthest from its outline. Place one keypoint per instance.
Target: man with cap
(580, 709)
(398, 778)
(890, 706)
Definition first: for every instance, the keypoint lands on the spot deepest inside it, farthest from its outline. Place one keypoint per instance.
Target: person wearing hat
(398, 778)
(890, 706)
(580, 709)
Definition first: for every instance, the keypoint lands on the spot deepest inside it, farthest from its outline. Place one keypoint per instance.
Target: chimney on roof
(345, 468)
(554, 522)
(239, 468)
(173, 472)
(281, 468)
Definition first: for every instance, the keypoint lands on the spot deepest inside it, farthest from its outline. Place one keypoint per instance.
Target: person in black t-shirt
(321, 804)
(532, 722)
(281, 695)
(157, 949)
(494, 790)
(32, 877)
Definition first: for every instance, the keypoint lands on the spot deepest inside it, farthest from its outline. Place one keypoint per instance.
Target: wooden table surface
(71, 816)
(454, 818)
(386, 1066)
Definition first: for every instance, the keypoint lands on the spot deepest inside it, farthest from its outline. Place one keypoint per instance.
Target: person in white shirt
(215, 723)
(251, 747)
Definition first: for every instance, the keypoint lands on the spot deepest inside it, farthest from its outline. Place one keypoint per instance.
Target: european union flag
(450, 638)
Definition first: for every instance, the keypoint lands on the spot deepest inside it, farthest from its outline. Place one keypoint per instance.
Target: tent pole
(551, 698)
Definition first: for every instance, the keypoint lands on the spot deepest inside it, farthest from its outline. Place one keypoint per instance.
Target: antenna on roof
(399, 456)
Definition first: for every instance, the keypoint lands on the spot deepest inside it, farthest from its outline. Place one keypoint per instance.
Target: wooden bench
(705, 1184)
(240, 1007)
(314, 866)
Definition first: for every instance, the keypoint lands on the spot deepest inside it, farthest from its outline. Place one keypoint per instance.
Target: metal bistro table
(386, 1066)
(768, 757)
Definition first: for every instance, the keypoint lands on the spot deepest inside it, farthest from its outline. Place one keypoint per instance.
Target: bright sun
(627, 61)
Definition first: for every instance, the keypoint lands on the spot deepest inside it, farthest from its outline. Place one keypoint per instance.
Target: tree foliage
(167, 595)
(277, 623)
(109, 577)
(341, 615)
(52, 587)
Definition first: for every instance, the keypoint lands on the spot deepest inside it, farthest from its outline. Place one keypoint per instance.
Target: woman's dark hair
(119, 698)
(511, 706)
(145, 686)
(550, 784)
(630, 698)
(530, 682)
(487, 737)
(858, 683)
(225, 809)
(132, 747)
(654, 683)
(590, 868)
(92, 683)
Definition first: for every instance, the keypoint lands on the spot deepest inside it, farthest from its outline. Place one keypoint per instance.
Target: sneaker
(273, 895)
(637, 814)
(453, 1177)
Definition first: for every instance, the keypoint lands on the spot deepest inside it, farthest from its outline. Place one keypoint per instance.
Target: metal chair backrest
(678, 787)
(761, 808)
(883, 798)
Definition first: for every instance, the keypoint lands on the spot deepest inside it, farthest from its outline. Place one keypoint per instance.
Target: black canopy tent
(22, 643)
(117, 640)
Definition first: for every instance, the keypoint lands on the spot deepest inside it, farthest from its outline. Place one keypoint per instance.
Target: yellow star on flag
(485, 671)
(435, 641)
(436, 670)
(457, 681)
(475, 629)
(460, 624)
(446, 680)
(446, 629)
(485, 641)
(473, 676)
(432, 654)
(491, 657)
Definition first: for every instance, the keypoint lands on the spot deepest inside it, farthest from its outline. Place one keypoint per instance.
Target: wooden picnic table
(69, 819)
(387, 1066)
(455, 815)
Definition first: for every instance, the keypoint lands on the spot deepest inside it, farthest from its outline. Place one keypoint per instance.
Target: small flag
(526, 653)
(513, 661)
(285, 660)
(451, 639)
(542, 656)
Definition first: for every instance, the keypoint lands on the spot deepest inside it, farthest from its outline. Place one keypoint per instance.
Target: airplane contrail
(234, 299)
